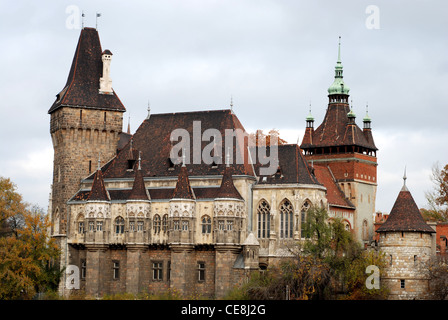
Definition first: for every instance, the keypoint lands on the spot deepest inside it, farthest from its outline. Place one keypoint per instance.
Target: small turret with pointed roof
(338, 86)
(183, 189)
(98, 191)
(405, 215)
(139, 191)
(227, 190)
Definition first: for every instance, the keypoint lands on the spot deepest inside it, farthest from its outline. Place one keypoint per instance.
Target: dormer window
(170, 164)
(131, 163)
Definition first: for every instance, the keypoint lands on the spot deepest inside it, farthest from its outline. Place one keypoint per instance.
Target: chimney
(105, 80)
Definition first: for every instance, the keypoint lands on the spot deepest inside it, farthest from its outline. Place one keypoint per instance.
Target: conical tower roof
(227, 189)
(183, 189)
(98, 191)
(405, 215)
(138, 191)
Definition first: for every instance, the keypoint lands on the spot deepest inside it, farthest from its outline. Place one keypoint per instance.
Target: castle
(130, 218)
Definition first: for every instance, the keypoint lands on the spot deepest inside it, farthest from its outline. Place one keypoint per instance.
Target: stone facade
(406, 254)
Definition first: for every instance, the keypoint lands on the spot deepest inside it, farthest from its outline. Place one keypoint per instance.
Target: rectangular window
(201, 271)
(221, 225)
(184, 225)
(99, 226)
(157, 271)
(81, 227)
(402, 284)
(229, 225)
(140, 226)
(168, 271)
(83, 269)
(91, 226)
(176, 225)
(131, 226)
(116, 269)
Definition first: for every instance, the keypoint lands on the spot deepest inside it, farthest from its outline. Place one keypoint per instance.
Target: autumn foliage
(27, 254)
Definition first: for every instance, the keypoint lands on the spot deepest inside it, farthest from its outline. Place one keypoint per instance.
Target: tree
(318, 231)
(260, 139)
(11, 207)
(26, 251)
(438, 198)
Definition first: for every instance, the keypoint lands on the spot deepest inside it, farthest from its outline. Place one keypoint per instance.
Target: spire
(98, 191)
(129, 125)
(183, 189)
(231, 104)
(138, 191)
(338, 86)
(310, 119)
(149, 111)
(227, 188)
(404, 188)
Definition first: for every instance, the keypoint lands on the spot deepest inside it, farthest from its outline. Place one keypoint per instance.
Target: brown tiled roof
(405, 216)
(335, 131)
(138, 191)
(152, 138)
(98, 191)
(227, 188)
(83, 83)
(293, 168)
(335, 196)
(183, 189)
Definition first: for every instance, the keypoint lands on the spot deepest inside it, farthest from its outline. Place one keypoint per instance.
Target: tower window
(157, 271)
(116, 268)
(105, 117)
(201, 271)
(402, 284)
(206, 224)
(131, 164)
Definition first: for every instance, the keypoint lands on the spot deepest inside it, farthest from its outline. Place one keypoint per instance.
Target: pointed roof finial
(310, 116)
(139, 160)
(231, 104)
(149, 111)
(404, 181)
(367, 117)
(339, 50)
(99, 161)
(129, 124)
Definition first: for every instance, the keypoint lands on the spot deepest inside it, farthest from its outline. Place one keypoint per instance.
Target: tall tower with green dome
(348, 153)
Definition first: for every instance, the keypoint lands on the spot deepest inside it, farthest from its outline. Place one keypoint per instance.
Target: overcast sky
(273, 57)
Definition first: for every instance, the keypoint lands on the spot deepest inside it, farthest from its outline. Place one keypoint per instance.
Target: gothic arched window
(156, 224)
(165, 223)
(264, 219)
(303, 213)
(206, 224)
(286, 219)
(119, 225)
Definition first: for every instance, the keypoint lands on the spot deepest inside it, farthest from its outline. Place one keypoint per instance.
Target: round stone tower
(407, 242)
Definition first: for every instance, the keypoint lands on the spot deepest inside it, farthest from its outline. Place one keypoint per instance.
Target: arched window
(206, 224)
(264, 219)
(119, 225)
(156, 224)
(165, 223)
(305, 207)
(286, 219)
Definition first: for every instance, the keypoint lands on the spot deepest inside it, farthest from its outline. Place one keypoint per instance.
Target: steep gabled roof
(83, 83)
(98, 191)
(405, 216)
(227, 188)
(183, 189)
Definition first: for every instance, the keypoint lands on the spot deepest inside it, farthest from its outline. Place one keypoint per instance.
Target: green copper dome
(338, 86)
(351, 114)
